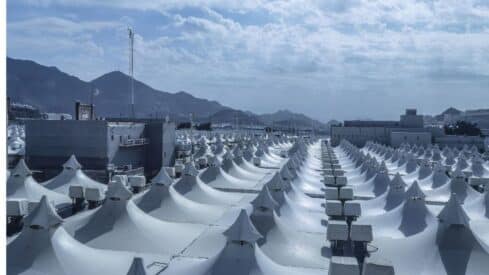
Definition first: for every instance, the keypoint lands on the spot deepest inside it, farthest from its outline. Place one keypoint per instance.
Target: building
(21, 111)
(56, 116)
(420, 138)
(479, 116)
(459, 142)
(359, 132)
(100, 146)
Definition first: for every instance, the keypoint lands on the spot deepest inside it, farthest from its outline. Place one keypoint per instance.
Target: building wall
(370, 123)
(359, 135)
(460, 141)
(169, 143)
(97, 144)
(49, 143)
(418, 138)
(161, 148)
(411, 119)
(119, 155)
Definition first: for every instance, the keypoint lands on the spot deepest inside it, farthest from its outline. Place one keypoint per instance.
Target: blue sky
(343, 59)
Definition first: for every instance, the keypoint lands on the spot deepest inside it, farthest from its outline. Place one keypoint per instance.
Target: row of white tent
(426, 218)
(231, 217)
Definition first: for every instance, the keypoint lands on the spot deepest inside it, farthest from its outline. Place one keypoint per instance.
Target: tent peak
(414, 192)
(137, 267)
(453, 213)
(43, 216)
(21, 169)
(72, 163)
(190, 169)
(162, 178)
(264, 199)
(242, 230)
(118, 191)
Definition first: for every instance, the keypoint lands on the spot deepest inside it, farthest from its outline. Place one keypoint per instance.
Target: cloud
(306, 50)
(59, 26)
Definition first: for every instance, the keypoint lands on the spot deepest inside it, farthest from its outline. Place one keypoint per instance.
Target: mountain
(52, 90)
(449, 111)
(233, 117)
(114, 94)
(46, 88)
(288, 119)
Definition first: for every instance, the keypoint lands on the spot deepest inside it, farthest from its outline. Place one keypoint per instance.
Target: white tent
(21, 185)
(72, 175)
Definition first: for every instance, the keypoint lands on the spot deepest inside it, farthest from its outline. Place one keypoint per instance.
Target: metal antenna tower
(131, 68)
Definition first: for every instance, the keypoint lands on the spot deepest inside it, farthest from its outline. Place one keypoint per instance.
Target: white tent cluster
(15, 140)
(259, 205)
(243, 212)
(67, 192)
(427, 214)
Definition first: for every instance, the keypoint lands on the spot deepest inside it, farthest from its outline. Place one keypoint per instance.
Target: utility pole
(131, 68)
(191, 117)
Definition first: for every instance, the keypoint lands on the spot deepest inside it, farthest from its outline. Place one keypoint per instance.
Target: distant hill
(46, 88)
(236, 116)
(449, 111)
(286, 118)
(52, 90)
(55, 91)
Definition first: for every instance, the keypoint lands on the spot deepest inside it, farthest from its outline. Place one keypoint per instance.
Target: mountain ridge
(52, 90)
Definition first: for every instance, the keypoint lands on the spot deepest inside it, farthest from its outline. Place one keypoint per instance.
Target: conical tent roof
(383, 167)
(117, 190)
(72, 163)
(162, 178)
(248, 153)
(461, 163)
(458, 174)
(286, 173)
(411, 165)
(453, 213)
(457, 183)
(43, 215)
(276, 183)
(227, 155)
(214, 161)
(439, 176)
(242, 230)
(397, 182)
(450, 158)
(21, 169)
(414, 192)
(381, 182)
(425, 170)
(237, 152)
(137, 267)
(477, 167)
(190, 169)
(396, 192)
(259, 152)
(264, 199)
(291, 164)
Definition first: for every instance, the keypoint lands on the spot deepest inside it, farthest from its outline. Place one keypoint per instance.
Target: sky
(341, 59)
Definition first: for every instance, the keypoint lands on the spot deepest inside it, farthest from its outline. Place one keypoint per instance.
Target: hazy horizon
(338, 60)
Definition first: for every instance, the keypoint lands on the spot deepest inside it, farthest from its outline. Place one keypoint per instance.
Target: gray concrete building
(359, 132)
(99, 145)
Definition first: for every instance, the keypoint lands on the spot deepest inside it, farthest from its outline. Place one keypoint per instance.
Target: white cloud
(312, 46)
(59, 26)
